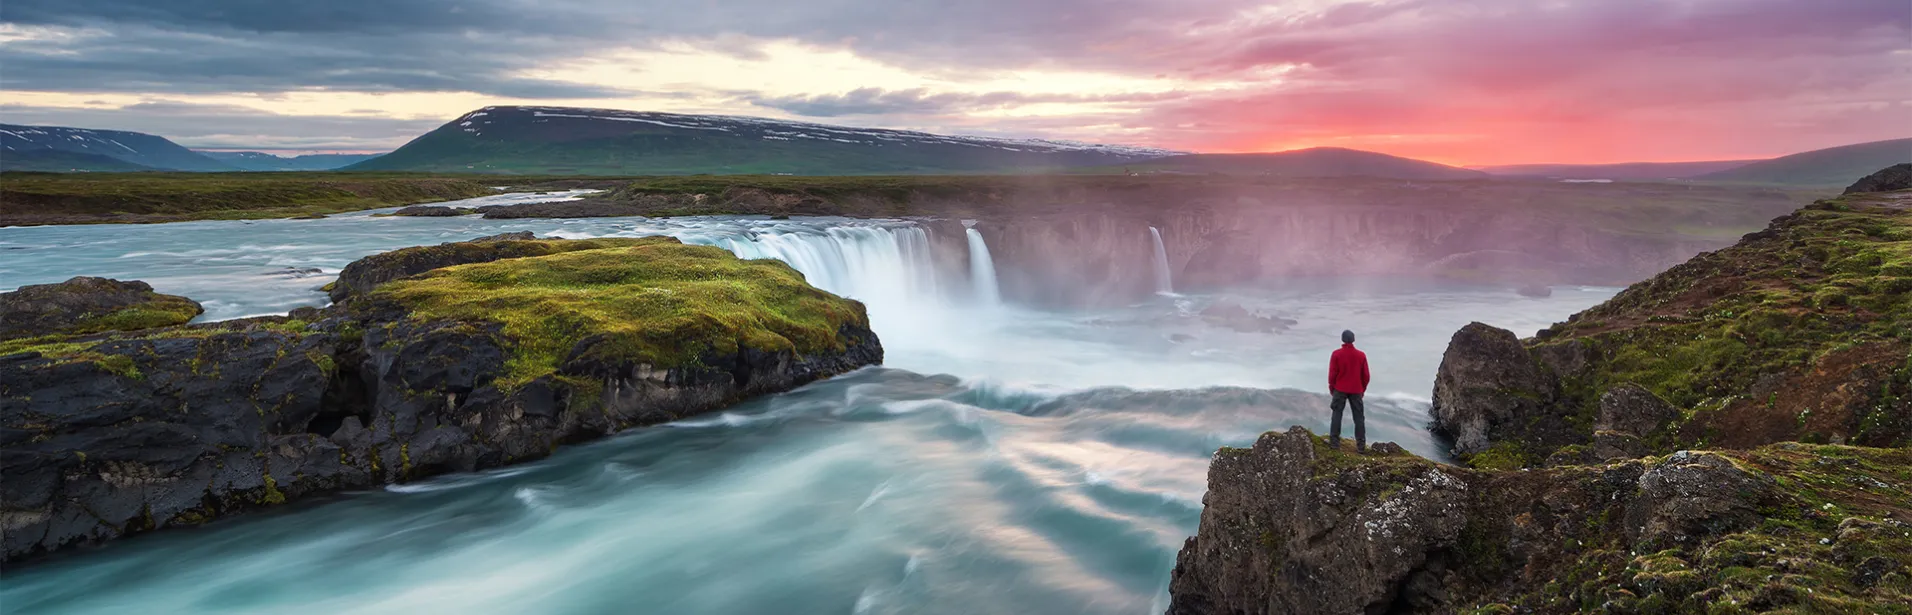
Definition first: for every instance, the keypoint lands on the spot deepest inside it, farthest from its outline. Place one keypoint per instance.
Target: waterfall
(887, 268)
(1163, 284)
(982, 270)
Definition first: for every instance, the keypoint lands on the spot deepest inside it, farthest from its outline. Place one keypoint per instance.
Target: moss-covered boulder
(1800, 332)
(581, 343)
(527, 346)
(365, 274)
(1292, 526)
(89, 305)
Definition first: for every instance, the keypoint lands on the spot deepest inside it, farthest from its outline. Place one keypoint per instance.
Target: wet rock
(89, 305)
(1630, 408)
(152, 433)
(1895, 177)
(1487, 387)
(1536, 291)
(297, 272)
(433, 211)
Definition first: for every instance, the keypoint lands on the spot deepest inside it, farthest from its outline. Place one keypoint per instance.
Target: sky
(1460, 82)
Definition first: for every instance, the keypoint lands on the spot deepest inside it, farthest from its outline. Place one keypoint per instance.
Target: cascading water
(982, 270)
(1164, 284)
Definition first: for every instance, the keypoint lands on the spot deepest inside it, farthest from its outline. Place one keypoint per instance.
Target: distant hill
(1312, 162)
(1620, 171)
(61, 161)
(261, 161)
(558, 140)
(1834, 166)
(133, 147)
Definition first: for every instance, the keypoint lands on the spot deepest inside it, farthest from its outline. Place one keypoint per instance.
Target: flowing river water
(1004, 460)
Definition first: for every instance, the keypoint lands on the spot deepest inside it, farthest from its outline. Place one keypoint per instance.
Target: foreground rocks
(89, 305)
(109, 434)
(1292, 526)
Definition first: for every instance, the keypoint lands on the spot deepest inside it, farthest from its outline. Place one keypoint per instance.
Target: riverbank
(31, 199)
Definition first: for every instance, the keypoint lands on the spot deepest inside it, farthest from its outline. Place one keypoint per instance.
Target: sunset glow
(1577, 81)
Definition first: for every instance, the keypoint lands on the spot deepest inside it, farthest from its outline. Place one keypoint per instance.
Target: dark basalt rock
(176, 431)
(1631, 409)
(87, 305)
(433, 211)
(1294, 527)
(1895, 177)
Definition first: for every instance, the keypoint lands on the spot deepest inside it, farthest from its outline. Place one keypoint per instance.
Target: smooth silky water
(1003, 461)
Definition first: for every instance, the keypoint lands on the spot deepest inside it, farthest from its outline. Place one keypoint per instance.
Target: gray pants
(1360, 424)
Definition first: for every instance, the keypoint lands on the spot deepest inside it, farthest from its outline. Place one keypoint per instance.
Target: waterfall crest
(982, 270)
(1163, 283)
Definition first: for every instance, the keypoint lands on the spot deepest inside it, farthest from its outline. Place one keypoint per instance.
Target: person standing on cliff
(1347, 381)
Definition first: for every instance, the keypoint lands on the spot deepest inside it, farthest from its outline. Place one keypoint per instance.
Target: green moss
(1503, 455)
(655, 302)
(161, 311)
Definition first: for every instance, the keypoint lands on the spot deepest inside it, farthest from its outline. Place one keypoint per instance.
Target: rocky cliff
(1800, 332)
(1585, 488)
(496, 356)
(1292, 526)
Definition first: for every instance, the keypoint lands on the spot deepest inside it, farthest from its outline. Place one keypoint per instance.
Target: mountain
(62, 161)
(1833, 166)
(1311, 162)
(134, 147)
(1620, 171)
(607, 142)
(264, 161)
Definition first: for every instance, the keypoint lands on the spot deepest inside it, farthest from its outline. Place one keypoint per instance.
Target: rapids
(1005, 460)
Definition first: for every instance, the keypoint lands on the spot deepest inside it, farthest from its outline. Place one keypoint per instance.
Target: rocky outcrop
(111, 434)
(1793, 334)
(88, 305)
(365, 274)
(433, 211)
(1895, 177)
(1292, 526)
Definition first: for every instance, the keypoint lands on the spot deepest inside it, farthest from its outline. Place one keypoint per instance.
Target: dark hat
(1347, 337)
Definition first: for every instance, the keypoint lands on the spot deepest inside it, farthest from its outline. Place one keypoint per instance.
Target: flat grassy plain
(83, 198)
(1644, 208)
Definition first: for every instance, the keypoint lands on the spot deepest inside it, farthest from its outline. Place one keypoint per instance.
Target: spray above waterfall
(1164, 284)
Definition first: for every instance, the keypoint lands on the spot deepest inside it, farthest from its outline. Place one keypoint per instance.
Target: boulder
(1488, 385)
(1693, 495)
(89, 305)
(1234, 316)
(1631, 409)
(1895, 177)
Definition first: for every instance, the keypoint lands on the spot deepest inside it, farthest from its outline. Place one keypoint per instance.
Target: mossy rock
(86, 305)
(651, 301)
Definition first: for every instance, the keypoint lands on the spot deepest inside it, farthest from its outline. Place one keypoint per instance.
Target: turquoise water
(1003, 461)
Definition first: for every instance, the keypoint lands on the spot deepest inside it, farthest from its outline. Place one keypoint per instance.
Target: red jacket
(1348, 370)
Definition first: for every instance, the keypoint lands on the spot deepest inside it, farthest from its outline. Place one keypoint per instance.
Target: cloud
(1477, 81)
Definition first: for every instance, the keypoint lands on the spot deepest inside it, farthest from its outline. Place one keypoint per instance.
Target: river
(1004, 460)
